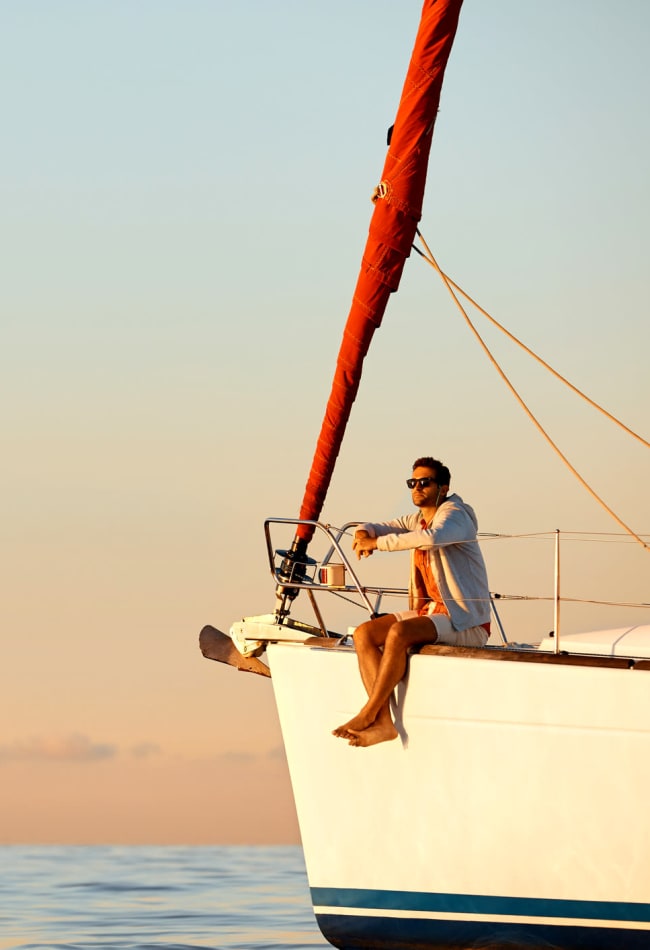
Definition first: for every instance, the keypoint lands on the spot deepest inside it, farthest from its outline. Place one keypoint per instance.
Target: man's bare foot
(377, 732)
(357, 724)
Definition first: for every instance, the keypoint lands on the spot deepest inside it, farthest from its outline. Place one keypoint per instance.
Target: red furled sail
(397, 211)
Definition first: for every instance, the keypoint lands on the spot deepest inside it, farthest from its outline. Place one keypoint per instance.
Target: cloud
(234, 756)
(72, 748)
(143, 750)
(278, 753)
(263, 755)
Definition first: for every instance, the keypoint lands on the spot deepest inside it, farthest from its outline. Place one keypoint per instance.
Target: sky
(185, 199)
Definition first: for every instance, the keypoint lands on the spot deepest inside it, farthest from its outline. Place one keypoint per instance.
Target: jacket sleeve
(398, 526)
(451, 525)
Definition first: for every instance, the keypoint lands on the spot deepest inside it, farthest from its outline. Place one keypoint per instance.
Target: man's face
(428, 494)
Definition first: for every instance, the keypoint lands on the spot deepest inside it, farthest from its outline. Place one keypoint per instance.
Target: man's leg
(369, 640)
(381, 671)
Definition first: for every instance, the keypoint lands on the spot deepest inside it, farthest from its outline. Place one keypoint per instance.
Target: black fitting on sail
(293, 569)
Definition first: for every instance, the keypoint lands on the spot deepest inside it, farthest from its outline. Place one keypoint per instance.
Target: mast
(397, 211)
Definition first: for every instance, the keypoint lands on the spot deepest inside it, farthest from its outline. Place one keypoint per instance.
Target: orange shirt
(426, 585)
(425, 582)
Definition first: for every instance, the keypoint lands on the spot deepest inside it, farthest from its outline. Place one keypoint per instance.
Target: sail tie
(381, 191)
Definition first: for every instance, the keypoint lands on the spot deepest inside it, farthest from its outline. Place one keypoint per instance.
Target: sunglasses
(420, 482)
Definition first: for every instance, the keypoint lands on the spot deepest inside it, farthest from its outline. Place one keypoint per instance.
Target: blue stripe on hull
(348, 932)
(359, 899)
(586, 925)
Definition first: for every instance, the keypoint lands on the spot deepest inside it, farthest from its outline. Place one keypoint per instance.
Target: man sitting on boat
(449, 597)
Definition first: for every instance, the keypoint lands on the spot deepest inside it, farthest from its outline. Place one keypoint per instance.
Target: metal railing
(312, 574)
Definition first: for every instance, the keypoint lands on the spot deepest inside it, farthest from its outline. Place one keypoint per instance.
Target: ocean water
(139, 898)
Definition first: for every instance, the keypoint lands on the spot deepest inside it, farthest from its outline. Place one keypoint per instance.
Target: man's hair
(442, 472)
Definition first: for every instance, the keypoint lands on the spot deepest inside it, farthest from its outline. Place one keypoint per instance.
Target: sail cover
(397, 211)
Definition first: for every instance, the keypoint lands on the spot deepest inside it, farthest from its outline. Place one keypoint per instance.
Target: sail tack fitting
(293, 570)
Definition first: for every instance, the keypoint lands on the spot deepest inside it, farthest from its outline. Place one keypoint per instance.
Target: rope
(538, 358)
(448, 283)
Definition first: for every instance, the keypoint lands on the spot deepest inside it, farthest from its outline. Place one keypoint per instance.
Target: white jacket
(455, 558)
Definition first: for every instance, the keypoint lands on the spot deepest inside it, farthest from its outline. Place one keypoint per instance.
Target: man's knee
(404, 634)
(363, 633)
(397, 633)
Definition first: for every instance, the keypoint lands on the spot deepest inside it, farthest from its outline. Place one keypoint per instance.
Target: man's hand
(363, 544)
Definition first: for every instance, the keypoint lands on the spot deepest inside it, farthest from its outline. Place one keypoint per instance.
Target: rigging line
(601, 603)
(554, 372)
(568, 600)
(431, 259)
(526, 535)
(568, 537)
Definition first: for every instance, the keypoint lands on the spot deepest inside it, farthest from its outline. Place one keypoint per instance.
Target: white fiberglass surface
(496, 762)
(631, 641)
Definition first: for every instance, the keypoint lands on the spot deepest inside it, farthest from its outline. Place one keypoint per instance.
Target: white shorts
(472, 637)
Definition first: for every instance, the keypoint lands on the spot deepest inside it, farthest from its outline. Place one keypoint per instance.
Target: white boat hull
(512, 810)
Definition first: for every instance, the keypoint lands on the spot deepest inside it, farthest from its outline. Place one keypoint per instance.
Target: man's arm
(452, 525)
(366, 535)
